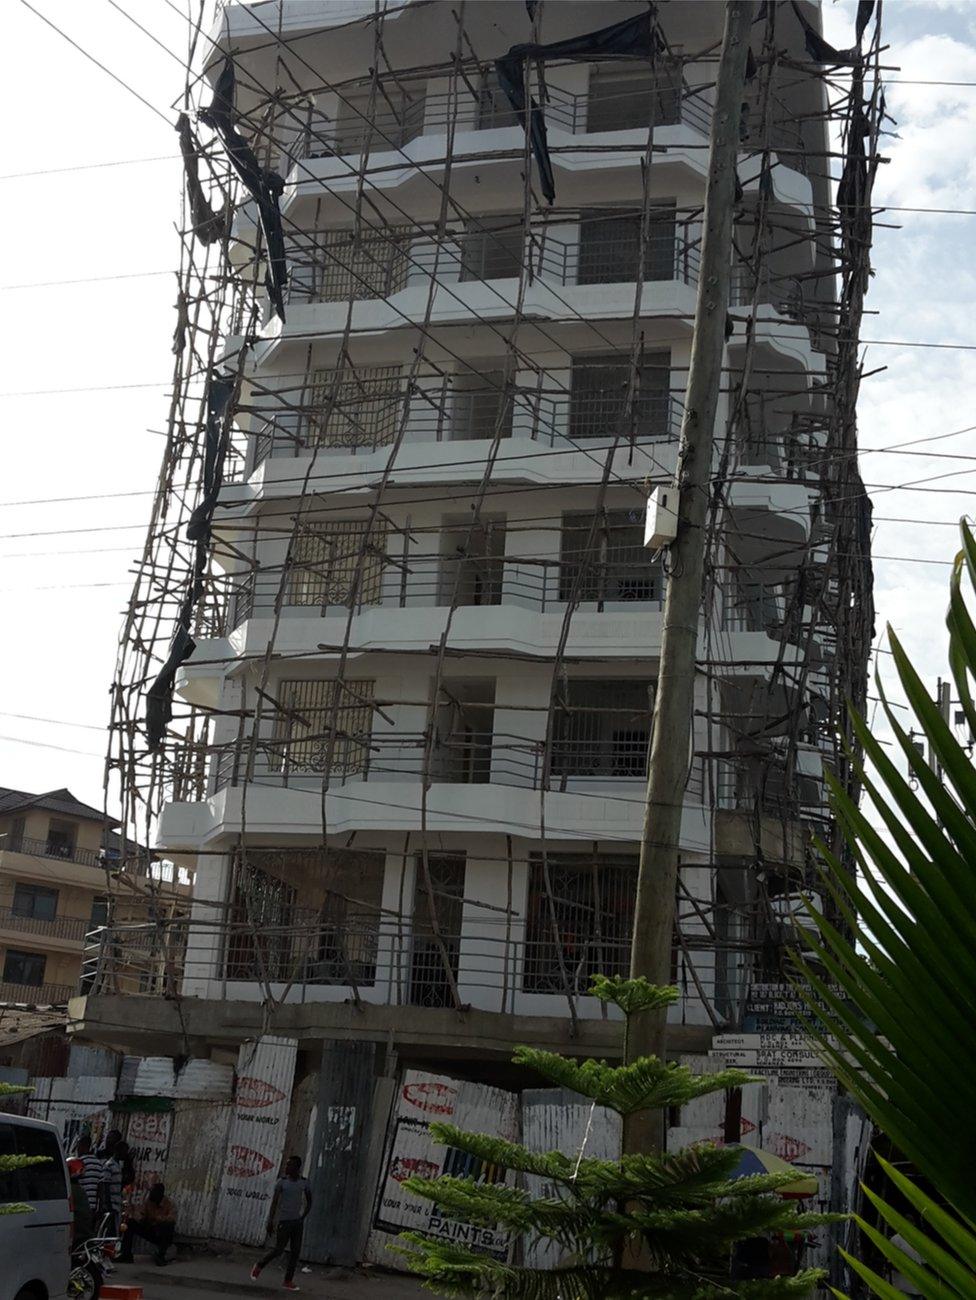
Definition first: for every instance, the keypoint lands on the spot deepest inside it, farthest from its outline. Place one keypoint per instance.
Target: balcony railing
(57, 927)
(324, 137)
(37, 994)
(377, 266)
(383, 957)
(418, 581)
(457, 758)
(12, 843)
(452, 412)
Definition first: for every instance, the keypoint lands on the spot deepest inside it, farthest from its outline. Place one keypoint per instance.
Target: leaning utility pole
(674, 700)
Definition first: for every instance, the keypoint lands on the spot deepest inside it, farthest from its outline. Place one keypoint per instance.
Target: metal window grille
(583, 928)
(482, 408)
(325, 562)
(492, 248)
(613, 566)
(304, 721)
(443, 901)
(345, 265)
(354, 408)
(598, 397)
(610, 246)
(387, 120)
(601, 729)
(625, 99)
(262, 914)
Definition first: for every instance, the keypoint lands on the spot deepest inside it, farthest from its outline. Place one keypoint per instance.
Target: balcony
(385, 958)
(396, 118)
(37, 994)
(71, 928)
(412, 581)
(335, 266)
(11, 843)
(372, 413)
(457, 758)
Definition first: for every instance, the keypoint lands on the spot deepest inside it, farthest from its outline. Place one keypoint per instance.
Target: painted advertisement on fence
(410, 1152)
(256, 1139)
(148, 1134)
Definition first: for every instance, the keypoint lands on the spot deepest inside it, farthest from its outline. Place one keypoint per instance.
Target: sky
(86, 364)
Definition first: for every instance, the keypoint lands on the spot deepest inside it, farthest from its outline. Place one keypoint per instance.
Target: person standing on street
(94, 1178)
(290, 1205)
(119, 1167)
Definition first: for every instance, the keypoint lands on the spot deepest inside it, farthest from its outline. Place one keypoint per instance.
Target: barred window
(482, 407)
(602, 558)
(492, 248)
(610, 244)
(601, 728)
(307, 711)
(583, 927)
(598, 396)
(326, 559)
(343, 264)
(626, 99)
(354, 408)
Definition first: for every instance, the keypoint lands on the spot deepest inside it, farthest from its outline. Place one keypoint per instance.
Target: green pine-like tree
(679, 1214)
(9, 1164)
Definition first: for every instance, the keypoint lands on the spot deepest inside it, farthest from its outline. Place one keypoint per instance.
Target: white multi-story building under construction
(407, 745)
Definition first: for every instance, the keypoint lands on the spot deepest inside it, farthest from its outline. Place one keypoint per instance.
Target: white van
(35, 1248)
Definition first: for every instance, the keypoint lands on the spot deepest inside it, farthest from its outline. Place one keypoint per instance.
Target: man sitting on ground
(156, 1224)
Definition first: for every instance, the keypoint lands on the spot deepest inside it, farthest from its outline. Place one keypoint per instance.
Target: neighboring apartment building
(60, 881)
(54, 855)
(437, 529)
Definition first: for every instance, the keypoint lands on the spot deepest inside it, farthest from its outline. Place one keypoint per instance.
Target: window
(342, 264)
(99, 913)
(491, 248)
(440, 901)
(610, 243)
(603, 560)
(494, 107)
(383, 120)
(628, 99)
(464, 725)
(301, 929)
(482, 407)
(24, 968)
(35, 901)
(354, 408)
(262, 915)
(38, 1182)
(41, 1182)
(307, 712)
(601, 728)
(13, 837)
(473, 565)
(580, 925)
(325, 564)
(61, 838)
(599, 387)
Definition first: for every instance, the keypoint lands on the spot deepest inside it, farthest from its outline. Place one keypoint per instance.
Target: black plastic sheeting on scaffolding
(264, 185)
(635, 38)
(208, 226)
(159, 696)
(822, 51)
